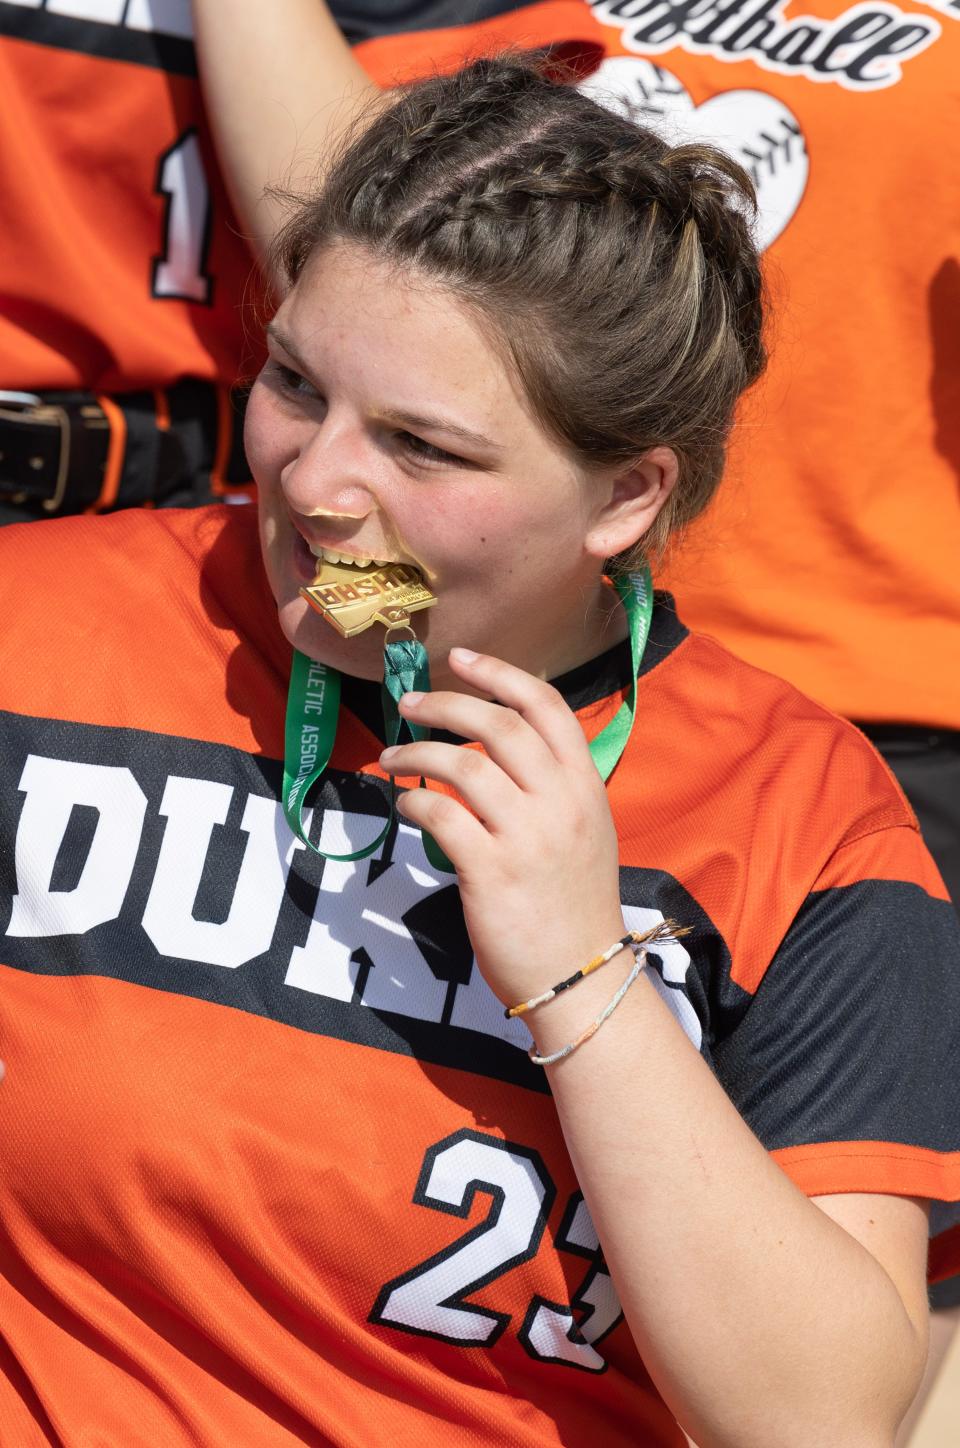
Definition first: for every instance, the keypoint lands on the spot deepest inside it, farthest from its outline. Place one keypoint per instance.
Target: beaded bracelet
(665, 930)
(595, 1025)
(632, 937)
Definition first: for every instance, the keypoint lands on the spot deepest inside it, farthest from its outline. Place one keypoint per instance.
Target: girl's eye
(426, 452)
(291, 381)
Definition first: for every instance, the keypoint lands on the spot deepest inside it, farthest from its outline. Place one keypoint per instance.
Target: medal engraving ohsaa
(353, 598)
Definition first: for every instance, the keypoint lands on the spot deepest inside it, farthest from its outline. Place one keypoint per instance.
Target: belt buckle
(30, 402)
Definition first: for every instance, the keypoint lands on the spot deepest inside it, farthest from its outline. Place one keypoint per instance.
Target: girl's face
(386, 426)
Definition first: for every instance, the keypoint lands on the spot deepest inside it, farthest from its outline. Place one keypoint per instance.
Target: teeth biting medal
(352, 596)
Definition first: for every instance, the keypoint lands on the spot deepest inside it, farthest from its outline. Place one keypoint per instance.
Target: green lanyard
(313, 709)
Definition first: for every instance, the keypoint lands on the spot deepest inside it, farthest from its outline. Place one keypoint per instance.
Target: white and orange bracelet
(595, 1025)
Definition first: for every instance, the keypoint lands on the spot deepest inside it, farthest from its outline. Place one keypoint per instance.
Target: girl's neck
(558, 643)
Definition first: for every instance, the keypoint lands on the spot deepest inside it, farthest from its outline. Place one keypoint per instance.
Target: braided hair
(617, 273)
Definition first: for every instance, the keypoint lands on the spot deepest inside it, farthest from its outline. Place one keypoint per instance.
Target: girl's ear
(630, 497)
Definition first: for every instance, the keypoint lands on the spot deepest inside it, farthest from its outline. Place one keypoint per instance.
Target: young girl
(630, 1123)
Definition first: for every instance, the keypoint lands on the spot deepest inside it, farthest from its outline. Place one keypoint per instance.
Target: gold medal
(353, 598)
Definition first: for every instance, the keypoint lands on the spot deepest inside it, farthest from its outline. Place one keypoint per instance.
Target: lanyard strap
(313, 710)
(636, 595)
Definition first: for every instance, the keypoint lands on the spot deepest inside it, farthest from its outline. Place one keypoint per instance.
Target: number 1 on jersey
(179, 273)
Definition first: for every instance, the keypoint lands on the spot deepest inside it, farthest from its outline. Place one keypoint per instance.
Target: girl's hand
(537, 859)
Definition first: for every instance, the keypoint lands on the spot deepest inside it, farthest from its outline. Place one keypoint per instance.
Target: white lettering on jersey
(161, 17)
(53, 787)
(354, 915)
(360, 918)
(166, 17)
(861, 50)
(476, 1008)
(192, 807)
(107, 12)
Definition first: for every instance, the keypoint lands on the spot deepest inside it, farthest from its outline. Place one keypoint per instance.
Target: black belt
(909, 738)
(74, 452)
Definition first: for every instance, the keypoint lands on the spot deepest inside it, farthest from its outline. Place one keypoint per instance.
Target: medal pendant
(353, 598)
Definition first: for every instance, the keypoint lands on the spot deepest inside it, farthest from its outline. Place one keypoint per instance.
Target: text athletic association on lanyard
(313, 711)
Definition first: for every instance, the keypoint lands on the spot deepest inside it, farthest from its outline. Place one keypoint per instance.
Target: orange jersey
(275, 1167)
(831, 555)
(122, 266)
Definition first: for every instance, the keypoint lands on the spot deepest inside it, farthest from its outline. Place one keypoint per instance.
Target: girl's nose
(327, 479)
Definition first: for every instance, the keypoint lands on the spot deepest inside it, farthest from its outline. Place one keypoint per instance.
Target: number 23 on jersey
(431, 1299)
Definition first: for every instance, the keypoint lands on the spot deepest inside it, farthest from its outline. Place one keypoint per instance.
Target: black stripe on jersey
(159, 51)
(849, 1033)
(153, 918)
(368, 19)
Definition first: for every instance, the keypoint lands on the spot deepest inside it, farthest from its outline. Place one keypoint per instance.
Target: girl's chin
(361, 656)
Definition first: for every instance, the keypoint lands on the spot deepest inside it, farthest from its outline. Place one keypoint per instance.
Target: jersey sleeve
(845, 1060)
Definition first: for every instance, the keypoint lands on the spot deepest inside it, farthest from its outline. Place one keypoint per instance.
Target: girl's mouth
(331, 555)
(309, 558)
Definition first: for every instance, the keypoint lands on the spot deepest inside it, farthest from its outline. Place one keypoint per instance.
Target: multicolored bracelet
(665, 930)
(632, 937)
(595, 1025)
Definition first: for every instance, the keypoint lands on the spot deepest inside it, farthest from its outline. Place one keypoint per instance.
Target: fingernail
(388, 753)
(464, 656)
(413, 697)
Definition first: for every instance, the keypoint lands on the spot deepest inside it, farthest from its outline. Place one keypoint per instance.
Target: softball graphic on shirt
(753, 127)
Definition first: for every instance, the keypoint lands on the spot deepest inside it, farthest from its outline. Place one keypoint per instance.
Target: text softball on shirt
(862, 49)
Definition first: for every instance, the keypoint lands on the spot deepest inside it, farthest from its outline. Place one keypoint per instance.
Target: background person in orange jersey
(122, 321)
(332, 1195)
(831, 557)
(832, 554)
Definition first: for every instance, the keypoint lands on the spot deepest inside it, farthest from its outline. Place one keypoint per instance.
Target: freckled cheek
(450, 545)
(471, 525)
(494, 535)
(262, 444)
(266, 440)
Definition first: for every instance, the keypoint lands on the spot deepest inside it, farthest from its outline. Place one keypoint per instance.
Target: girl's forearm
(761, 1320)
(281, 85)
